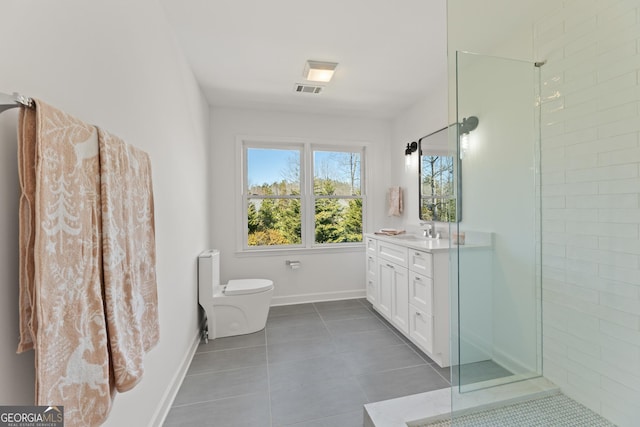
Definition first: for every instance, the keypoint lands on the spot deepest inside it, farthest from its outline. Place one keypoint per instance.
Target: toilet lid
(247, 286)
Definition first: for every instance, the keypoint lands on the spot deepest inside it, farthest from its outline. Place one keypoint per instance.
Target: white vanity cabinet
(409, 287)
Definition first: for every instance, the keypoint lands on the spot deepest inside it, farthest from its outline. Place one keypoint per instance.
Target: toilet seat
(247, 286)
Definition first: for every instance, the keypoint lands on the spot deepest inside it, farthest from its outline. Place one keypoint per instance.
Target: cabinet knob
(418, 254)
(417, 278)
(418, 313)
(390, 266)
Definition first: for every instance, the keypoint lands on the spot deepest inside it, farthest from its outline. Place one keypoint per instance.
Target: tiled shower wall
(590, 206)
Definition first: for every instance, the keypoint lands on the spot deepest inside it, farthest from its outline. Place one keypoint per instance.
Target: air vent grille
(306, 88)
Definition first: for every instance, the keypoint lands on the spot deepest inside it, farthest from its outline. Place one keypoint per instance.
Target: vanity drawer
(394, 253)
(421, 262)
(372, 246)
(371, 265)
(421, 292)
(421, 328)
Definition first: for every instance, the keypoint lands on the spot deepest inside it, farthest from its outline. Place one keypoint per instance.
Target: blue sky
(271, 165)
(267, 166)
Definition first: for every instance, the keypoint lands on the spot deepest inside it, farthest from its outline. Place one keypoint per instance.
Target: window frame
(307, 195)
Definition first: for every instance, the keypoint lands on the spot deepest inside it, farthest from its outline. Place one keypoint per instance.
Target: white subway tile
(618, 67)
(628, 305)
(625, 244)
(620, 374)
(626, 275)
(629, 335)
(620, 127)
(622, 201)
(619, 157)
(554, 250)
(629, 216)
(594, 146)
(614, 10)
(603, 173)
(619, 187)
(553, 202)
(602, 229)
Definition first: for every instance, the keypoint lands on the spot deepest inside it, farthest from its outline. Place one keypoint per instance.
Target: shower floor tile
(551, 411)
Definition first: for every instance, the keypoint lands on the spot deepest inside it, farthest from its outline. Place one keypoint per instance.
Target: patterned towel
(129, 256)
(62, 310)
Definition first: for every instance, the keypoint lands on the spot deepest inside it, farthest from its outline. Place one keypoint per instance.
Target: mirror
(437, 169)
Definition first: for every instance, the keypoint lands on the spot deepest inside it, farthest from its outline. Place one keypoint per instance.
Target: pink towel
(86, 212)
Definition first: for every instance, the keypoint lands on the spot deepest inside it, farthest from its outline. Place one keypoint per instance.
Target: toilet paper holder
(294, 265)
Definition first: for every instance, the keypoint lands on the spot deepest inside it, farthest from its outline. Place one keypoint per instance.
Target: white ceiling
(250, 53)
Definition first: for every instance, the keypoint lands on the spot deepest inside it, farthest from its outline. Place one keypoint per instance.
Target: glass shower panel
(496, 306)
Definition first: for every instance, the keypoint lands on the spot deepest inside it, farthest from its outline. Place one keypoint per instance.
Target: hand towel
(395, 201)
(129, 256)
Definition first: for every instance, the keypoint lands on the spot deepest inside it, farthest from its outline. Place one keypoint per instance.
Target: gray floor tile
(335, 396)
(346, 313)
(383, 359)
(305, 373)
(299, 350)
(240, 341)
(223, 360)
(296, 333)
(242, 411)
(401, 382)
(444, 372)
(212, 386)
(482, 371)
(351, 419)
(337, 305)
(282, 310)
(350, 326)
(366, 341)
(286, 320)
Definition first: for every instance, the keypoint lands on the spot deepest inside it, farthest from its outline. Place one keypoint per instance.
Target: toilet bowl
(238, 307)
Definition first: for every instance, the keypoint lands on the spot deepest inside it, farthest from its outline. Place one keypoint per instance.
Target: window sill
(356, 247)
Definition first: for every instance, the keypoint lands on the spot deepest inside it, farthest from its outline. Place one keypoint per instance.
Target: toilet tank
(208, 276)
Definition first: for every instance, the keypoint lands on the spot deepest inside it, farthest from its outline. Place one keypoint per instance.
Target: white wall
(323, 275)
(114, 64)
(423, 118)
(591, 211)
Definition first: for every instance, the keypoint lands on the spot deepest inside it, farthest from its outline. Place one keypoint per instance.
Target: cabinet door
(400, 299)
(421, 328)
(421, 292)
(386, 276)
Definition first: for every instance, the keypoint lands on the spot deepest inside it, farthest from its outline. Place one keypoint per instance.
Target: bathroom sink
(414, 237)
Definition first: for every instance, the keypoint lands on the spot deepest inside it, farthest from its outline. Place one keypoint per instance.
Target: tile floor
(314, 365)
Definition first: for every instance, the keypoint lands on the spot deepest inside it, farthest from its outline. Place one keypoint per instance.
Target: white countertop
(415, 241)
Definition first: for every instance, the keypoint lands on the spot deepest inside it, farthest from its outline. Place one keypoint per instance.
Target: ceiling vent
(306, 88)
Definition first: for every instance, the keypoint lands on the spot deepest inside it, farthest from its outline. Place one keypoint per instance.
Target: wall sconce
(468, 124)
(411, 147)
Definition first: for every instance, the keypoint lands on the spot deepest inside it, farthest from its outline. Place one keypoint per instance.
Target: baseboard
(318, 297)
(171, 392)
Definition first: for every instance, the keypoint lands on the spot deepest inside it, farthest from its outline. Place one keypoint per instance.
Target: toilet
(238, 307)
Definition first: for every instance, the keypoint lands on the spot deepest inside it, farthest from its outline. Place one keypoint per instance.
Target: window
(301, 195)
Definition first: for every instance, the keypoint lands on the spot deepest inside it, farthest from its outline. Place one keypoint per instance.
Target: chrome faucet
(430, 231)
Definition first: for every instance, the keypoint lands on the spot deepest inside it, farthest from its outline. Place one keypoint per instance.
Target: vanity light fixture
(411, 147)
(468, 124)
(318, 71)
